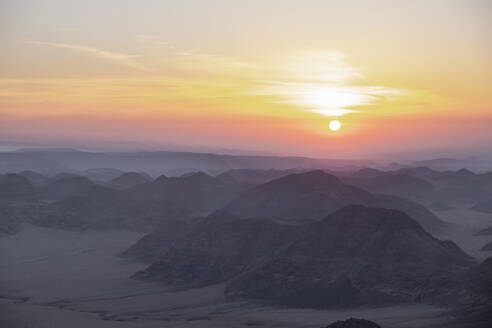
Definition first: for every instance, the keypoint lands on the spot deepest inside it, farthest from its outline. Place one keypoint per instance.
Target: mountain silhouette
(314, 195)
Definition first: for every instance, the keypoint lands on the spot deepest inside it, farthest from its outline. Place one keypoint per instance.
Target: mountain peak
(128, 179)
(161, 178)
(313, 178)
(465, 173)
(314, 195)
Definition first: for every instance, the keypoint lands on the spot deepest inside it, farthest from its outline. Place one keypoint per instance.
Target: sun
(335, 125)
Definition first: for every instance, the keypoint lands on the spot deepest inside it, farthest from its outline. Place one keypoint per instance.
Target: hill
(128, 180)
(314, 195)
(358, 255)
(196, 193)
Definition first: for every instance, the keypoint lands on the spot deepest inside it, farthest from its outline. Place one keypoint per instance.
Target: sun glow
(322, 82)
(335, 125)
(332, 100)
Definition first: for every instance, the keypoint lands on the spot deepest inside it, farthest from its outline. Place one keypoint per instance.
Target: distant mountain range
(293, 194)
(426, 186)
(54, 160)
(156, 163)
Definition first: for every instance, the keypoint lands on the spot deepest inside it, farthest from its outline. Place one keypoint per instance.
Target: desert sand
(55, 278)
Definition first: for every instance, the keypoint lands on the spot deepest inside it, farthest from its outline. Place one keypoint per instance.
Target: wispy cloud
(124, 59)
(188, 59)
(319, 66)
(327, 99)
(322, 82)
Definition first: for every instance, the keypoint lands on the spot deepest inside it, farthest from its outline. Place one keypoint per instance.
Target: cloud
(319, 66)
(321, 82)
(124, 59)
(326, 99)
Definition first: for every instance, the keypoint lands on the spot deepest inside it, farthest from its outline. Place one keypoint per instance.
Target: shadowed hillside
(358, 255)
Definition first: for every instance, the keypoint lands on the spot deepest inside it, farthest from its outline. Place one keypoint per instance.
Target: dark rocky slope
(218, 248)
(475, 308)
(356, 256)
(155, 244)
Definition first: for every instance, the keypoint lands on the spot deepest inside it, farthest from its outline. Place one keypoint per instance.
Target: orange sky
(265, 76)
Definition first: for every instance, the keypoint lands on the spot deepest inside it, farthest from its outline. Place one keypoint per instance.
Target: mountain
(487, 247)
(156, 162)
(253, 177)
(439, 205)
(368, 172)
(400, 185)
(196, 193)
(155, 244)
(356, 256)
(101, 174)
(35, 178)
(485, 232)
(475, 308)
(128, 180)
(10, 222)
(105, 208)
(63, 186)
(460, 186)
(463, 186)
(16, 187)
(298, 196)
(353, 323)
(315, 194)
(22, 161)
(216, 249)
(420, 172)
(479, 164)
(485, 206)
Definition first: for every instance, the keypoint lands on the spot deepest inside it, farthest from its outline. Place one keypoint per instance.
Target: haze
(262, 77)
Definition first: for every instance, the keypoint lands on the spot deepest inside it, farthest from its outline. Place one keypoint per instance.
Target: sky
(254, 76)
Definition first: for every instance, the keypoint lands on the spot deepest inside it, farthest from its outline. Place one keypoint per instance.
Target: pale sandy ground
(51, 278)
(465, 224)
